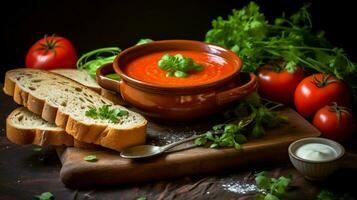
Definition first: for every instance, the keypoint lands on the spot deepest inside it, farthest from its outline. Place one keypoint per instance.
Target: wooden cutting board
(112, 169)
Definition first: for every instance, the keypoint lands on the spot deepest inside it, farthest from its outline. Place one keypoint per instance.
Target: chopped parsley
(105, 112)
(90, 158)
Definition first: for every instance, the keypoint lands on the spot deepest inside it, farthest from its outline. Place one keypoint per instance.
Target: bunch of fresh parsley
(256, 41)
(250, 115)
(178, 65)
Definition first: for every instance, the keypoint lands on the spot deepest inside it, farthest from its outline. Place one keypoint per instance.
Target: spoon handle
(169, 146)
(181, 148)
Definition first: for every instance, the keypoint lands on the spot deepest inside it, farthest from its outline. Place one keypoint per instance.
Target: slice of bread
(64, 102)
(25, 127)
(82, 77)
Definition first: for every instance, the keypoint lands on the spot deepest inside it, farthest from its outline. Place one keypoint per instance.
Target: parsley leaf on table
(272, 188)
(327, 195)
(90, 158)
(45, 196)
(37, 149)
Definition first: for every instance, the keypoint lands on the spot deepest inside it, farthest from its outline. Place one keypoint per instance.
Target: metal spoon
(144, 151)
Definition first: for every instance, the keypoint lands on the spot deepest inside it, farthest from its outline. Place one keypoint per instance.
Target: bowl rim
(154, 87)
(316, 140)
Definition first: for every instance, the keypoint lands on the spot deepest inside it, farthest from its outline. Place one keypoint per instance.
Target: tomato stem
(324, 80)
(49, 45)
(334, 107)
(278, 68)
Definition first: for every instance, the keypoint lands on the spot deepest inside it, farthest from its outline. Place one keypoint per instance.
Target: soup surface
(145, 68)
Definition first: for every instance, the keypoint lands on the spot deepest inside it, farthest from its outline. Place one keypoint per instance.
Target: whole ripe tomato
(52, 52)
(277, 84)
(318, 90)
(334, 122)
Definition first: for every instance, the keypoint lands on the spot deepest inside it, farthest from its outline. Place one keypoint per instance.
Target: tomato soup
(145, 68)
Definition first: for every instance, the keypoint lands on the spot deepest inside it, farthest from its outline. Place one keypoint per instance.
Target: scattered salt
(240, 187)
(170, 137)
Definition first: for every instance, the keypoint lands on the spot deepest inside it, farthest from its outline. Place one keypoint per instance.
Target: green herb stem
(92, 60)
(249, 116)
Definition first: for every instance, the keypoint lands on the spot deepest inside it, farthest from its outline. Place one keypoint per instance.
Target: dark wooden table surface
(25, 173)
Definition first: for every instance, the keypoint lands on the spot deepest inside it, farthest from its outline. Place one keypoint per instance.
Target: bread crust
(105, 136)
(41, 137)
(36, 136)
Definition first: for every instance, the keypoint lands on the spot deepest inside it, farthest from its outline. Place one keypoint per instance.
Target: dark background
(95, 24)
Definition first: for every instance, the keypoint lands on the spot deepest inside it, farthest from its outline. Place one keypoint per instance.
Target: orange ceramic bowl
(178, 98)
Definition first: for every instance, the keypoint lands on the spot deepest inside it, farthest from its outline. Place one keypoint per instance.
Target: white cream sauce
(316, 152)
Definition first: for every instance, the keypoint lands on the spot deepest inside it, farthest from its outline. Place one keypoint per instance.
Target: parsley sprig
(256, 41)
(250, 116)
(272, 188)
(45, 196)
(178, 65)
(105, 112)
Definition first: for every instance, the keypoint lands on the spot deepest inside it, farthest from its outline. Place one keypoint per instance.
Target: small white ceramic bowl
(316, 170)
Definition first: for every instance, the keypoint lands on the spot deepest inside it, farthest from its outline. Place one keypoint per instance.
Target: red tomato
(319, 90)
(278, 85)
(335, 122)
(52, 52)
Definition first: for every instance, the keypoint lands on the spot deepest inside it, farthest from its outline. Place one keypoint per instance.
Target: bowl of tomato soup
(160, 93)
